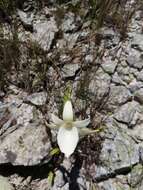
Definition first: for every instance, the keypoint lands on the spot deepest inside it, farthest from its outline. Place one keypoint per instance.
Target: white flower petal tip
(82, 123)
(68, 111)
(67, 140)
(56, 120)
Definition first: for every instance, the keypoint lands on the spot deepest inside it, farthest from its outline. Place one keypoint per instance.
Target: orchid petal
(52, 126)
(82, 123)
(68, 111)
(56, 120)
(67, 140)
(86, 131)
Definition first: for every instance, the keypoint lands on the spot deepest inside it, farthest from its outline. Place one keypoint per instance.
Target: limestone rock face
(117, 149)
(50, 50)
(37, 99)
(25, 146)
(23, 140)
(118, 96)
(99, 84)
(44, 33)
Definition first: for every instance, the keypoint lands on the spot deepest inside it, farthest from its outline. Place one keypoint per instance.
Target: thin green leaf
(67, 94)
(50, 178)
(54, 151)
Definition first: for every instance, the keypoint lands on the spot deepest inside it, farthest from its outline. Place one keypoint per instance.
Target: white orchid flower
(69, 130)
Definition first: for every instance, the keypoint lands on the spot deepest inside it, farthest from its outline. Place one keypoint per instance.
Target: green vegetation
(67, 94)
(35, 68)
(113, 13)
(51, 176)
(99, 10)
(29, 75)
(9, 56)
(7, 9)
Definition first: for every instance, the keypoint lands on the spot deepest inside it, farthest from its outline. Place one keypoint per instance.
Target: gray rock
(25, 114)
(135, 178)
(137, 42)
(81, 183)
(3, 111)
(123, 70)
(44, 33)
(140, 76)
(26, 18)
(23, 137)
(69, 70)
(118, 96)
(123, 150)
(4, 184)
(102, 172)
(70, 22)
(118, 183)
(128, 113)
(89, 58)
(135, 61)
(137, 133)
(117, 79)
(37, 99)
(1, 94)
(99, 84)
(109, 66)
(25, 146)
(134, 71)
(62, 176)
(65, 59)
(107, 32)
(70, 40)
(107, 185)
(119, 152)
(127, 78)
(141, 147)
(112, 37)
(139, 95)
(43, 185)
(135, 85)
(60, 181)
(19, 181)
